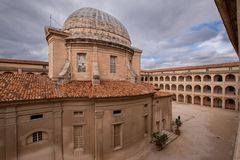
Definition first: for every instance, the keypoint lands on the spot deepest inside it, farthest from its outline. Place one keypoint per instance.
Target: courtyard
(206, 134)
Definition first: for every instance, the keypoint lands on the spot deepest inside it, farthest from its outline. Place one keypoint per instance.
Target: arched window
(174, 87)
(197, 78)
(180, 88)
(230, 104)
(142, 79)
(161, 86)
(151, 79)
(146, 78)
(218, 78)
(189, 88)
(206, 78)
(167, 78)
(173, 78)
(156, 78)
(37, 136)
(188, 78)
(217, 102)
(207, 101)
(189, 99)
(161, 78)
(230, 90)
(197, 100)
(180, 78)
(218, 90)
(230, 78)
(180, 98)
(167, 87)
(197, 88)
(207, 89)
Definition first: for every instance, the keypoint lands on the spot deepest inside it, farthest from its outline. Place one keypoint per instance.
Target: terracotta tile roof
(232, 64)
(23, 61)
(22, 87)
(106, 89)
(26, 87)
(162, 94)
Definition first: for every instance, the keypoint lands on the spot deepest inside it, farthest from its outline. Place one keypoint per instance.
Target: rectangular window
(78, 137)
(81, 62)
(38, 116)
(158, 126)
(117, 136)
(113, 60)
(37, 136)
(117, 112)
(78, 113)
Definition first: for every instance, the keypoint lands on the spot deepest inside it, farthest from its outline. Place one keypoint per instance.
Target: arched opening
(207, 101)
(217, 90)
(167, 87)
(161, 78)
(197, 88)
(197, 100)
(217, 102)
(7, 72)
(180, 98)
(167, 78)
(173, 78)
(30, 73)
(156, 78)
(174, 87)
(230, 90)
(161, 86)
(230, 78)
(218, 78)
(189, 88)
(156, 85)
(142, 79)
(189, 78)
(206, 78)
(230, 104)
(180, 78)
(180, 88)
(189, 99)
(197, 78)
(207, 89)
(151, 79)
(146, 78)
(174, 97)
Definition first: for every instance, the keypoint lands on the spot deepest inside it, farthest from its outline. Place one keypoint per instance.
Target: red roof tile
(19, 87)
(26, 87)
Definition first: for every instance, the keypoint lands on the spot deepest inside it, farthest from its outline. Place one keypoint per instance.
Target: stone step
(171, 136)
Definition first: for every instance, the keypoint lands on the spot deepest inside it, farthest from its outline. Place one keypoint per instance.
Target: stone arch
(217, 90)
(167, 87)
(161, 78)
(197, 78)
(156, 78)
(230, 90)
(207, 101)
(230, 78)
(174, 87)
(218, 78)
(197, 88)
(230, 104)
(151, 78)
(180, 78)
(207, 89)
(173, 78)
(189, 78)
(197, 100)
(167, 78)
(161, 86)
(189, 88)
(180, 87)
(207, 78)
(180, 98)
(217, 102)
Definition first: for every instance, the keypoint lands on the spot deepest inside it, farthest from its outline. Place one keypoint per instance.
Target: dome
(94, 24)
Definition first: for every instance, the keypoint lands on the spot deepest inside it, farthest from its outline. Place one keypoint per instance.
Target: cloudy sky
(170, 33)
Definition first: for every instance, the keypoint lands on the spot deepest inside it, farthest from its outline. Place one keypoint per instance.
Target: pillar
(11, 134)
(58, 153)
(212, 102)
(99, 135)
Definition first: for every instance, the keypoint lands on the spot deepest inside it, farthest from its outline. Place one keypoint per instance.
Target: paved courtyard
(207, 134)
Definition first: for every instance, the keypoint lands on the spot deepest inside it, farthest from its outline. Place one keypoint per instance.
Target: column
(201, 100)
(212, 102)
(223, 103)
(99, 135)
(58, 150)
(11, 134)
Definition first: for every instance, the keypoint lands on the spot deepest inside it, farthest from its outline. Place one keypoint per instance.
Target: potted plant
(160, 140)
(178, 124)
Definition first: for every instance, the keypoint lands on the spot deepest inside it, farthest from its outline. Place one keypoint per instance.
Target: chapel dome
(90, 23)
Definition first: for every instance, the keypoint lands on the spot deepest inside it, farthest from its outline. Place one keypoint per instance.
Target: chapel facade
(92, 106)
